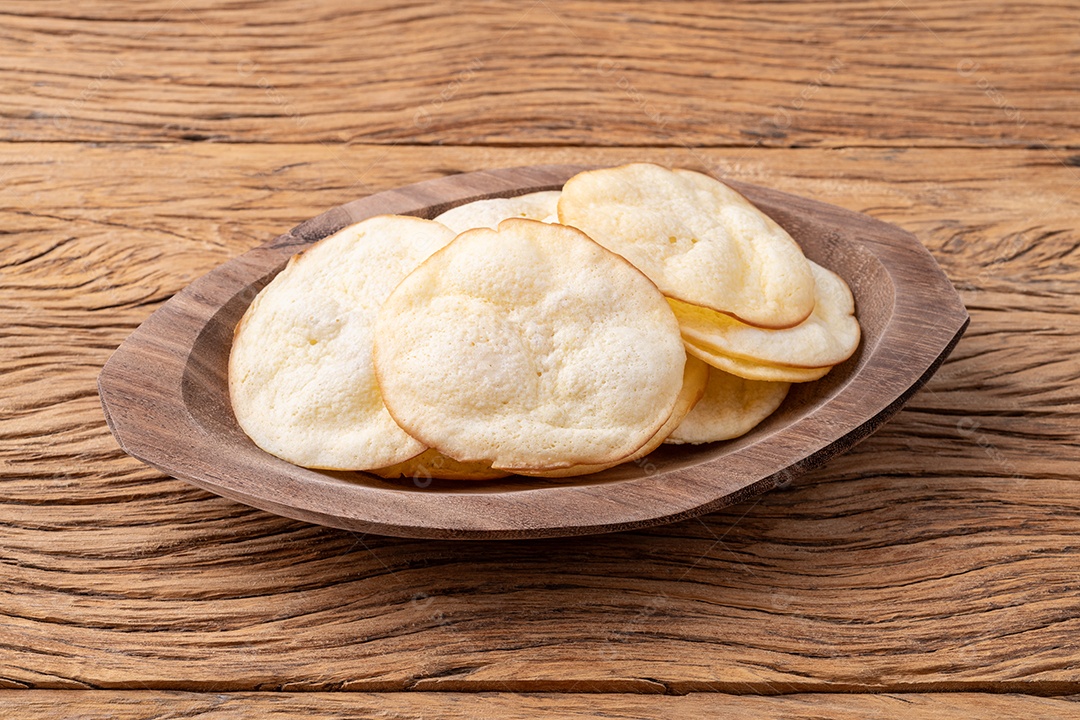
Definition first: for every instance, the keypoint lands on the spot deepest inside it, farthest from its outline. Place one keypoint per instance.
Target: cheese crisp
(828, 337)
(530, 346)
(489, 213)
(697, 239)
(731, 406)
(551, 334)
(301, 379)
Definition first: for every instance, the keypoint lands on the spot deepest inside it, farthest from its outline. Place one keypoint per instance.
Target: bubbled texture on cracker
(301, 379)
(532, 347)
(697, 239)
(695, 377)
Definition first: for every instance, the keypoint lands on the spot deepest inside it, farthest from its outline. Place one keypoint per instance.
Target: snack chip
(558, 334)
(731, 406)
(697, 239)
(531, 347)
(301, 379)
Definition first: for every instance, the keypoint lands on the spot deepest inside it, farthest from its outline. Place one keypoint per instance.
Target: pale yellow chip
(732, 406)
(431, 464)
(489, 213)
(695, 377)
(531, 347)
(301, 379)
(697, 239)
(753, 370)
(828, 337)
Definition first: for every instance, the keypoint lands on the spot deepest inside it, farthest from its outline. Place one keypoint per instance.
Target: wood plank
(940, 555)
(143, 705)
(830, 73)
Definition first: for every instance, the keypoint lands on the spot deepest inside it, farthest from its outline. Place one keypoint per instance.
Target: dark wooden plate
(165, 390)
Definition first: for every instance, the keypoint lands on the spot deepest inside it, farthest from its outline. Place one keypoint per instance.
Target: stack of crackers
(550, 334)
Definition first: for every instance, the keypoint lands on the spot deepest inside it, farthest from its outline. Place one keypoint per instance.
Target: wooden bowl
(165, 390)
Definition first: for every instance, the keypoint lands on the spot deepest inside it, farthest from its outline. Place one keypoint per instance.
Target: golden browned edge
(706, 345)
(744, 368)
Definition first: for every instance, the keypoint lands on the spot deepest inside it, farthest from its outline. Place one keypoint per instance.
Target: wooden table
(932, 572)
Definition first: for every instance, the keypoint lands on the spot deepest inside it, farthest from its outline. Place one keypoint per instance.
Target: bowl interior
(206, 397)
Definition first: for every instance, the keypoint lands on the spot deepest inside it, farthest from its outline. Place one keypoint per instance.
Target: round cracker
(752, 370)
(432, 464)
(697, 239)
(731, 406)
(531, 347)
(301, 379)
(489, 213)
(695, 377)
(828, 337)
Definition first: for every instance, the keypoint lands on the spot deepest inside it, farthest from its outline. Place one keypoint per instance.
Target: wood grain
(142, 705)
(165, 390)
(940, 555)
(831, 73)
